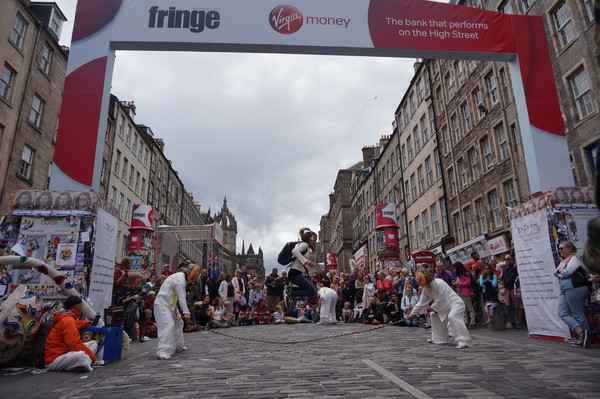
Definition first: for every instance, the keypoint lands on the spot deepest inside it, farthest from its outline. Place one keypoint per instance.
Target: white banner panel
(103, 269)
(339, 23)
(539, 287)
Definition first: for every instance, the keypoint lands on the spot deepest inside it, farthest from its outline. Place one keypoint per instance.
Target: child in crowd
(490, 298)
(302, 313)
(503, 298)
(149, 306)
(347, 312)
(228, 315)
(261, 312)
(255, 295)
(246, 317)
(278, 315)
(408, 303)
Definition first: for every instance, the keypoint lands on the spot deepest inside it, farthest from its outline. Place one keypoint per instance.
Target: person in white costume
(169, 324)
(328, 299)
(448, 308)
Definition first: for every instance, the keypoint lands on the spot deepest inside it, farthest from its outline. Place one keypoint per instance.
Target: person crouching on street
(328, 299)
(64, 349)
(448, 310)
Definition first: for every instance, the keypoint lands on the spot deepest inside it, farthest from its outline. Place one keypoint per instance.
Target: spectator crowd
(490, 291)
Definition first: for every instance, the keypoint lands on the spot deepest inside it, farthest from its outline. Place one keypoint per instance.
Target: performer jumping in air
(168, 320)
(301, 263)
(448, 308)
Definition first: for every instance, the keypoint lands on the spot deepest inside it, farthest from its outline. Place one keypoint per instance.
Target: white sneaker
(462, 346)
(163, 357)
(181, 350)
(146, 338)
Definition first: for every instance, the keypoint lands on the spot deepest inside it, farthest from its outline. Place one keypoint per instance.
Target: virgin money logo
(286, 19)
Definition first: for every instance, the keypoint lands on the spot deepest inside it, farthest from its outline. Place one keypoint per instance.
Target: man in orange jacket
(64, 349)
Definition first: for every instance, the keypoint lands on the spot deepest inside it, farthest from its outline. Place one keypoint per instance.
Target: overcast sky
(269, 132)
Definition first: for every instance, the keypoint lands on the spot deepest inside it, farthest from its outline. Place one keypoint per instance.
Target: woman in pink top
(463, 281)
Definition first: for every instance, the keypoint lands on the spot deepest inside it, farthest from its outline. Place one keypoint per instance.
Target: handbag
(580, 278)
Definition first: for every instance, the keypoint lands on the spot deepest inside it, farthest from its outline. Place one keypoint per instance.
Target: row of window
(469, 169)
(415, 142)
(127, 174)
(36, 111)
(121, 205)
(138, 148)
(423, 178)
(422, 89)
(429, 225)
(474, 222)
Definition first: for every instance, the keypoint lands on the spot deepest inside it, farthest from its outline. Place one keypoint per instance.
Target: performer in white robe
(169, 324)
(448, 308)
(329, 299)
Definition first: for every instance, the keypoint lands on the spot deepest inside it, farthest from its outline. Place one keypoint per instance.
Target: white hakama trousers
(329, 300)
(169, 330)
(454, 322)
(74, 360)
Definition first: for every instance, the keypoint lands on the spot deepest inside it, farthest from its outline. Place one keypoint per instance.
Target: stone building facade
(130, 162)
(364, 199)
(336, 226)
(32, 75)
(416, 159)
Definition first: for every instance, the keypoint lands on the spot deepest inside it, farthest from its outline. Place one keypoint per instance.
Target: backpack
(474, 287)
(39, 344)
(285, 256)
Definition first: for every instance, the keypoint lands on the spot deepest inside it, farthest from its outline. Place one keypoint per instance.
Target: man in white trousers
(64, 349)
(169, 323)
(328, 299)
(448, 308)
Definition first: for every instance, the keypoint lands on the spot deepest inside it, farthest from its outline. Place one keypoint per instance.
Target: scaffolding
(210, 235)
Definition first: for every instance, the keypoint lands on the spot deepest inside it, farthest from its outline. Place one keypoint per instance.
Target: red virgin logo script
(286, 19)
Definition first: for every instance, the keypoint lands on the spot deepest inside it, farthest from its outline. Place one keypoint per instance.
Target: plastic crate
(112, 341)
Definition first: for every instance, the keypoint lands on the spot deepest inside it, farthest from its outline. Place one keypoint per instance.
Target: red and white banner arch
(385, 28)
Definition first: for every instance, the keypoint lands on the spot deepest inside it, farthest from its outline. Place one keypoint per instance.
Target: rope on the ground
(264, 341)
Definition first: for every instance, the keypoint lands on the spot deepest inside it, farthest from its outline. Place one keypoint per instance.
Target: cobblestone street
(389, 362)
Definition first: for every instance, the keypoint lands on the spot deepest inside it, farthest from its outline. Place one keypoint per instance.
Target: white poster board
(539, 287)
(103, 269)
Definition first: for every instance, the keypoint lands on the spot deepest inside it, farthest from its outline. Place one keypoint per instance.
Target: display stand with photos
(58, 228)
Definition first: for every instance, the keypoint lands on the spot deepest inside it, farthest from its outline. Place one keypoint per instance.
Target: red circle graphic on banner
(286, 19)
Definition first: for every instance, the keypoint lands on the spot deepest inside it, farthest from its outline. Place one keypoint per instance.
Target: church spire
(243, 246)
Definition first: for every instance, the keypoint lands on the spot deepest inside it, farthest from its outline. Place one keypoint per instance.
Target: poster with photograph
(63, 203)
(66, 253)
(9, 228)
(23, 203)
(44, 200)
